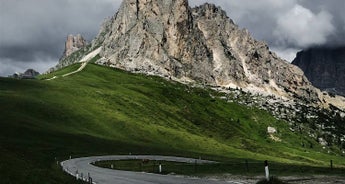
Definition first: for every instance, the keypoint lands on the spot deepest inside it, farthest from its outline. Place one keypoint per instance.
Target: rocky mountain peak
(153, 36)
(28, 74)
(132, 12)
(200, 45)
(210, 11)
(73, 43)
(324, 67)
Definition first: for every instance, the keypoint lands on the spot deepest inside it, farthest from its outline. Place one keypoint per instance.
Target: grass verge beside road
(235, 168)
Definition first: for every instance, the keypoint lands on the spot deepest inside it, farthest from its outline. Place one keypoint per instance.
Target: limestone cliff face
(158, 37)
(240, 59)
(168, 38)
(75, 48)
(73, 43)
(324, 67)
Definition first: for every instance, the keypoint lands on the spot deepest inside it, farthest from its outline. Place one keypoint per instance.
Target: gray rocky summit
(201, 44)
(73, 43)
(28, 74)
(324, 67)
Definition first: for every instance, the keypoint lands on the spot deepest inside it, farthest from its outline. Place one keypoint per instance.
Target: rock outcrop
(324, 67)
(76, 47)
(73, 43)
(201, 44)
(28, 74)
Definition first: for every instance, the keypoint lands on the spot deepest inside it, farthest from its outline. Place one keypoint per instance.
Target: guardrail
(77, 175)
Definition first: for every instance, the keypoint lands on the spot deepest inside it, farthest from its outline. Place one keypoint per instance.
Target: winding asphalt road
(83, 167)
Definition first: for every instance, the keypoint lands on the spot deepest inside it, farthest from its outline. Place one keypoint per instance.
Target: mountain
(324, 67)
(196, 45)
(202, 46)
(28, 74)
(73, 44)
(85, 109)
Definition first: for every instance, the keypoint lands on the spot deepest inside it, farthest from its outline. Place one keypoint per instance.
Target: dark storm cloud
(33, 32)
(336, 9)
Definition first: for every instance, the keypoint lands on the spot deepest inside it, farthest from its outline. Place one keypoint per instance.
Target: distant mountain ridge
(324, 67)
(28, 74)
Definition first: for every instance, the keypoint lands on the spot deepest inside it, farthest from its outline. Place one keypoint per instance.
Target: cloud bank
(33, 32)
(302, 28)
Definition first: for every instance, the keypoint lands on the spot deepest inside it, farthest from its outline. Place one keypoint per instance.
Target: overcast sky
(33, 32)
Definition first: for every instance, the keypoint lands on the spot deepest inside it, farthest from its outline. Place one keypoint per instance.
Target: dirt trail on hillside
(84, 61)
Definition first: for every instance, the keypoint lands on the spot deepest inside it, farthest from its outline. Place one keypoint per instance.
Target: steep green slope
(106, 111)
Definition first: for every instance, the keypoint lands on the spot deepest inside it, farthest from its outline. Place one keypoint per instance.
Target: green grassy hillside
(105, 111)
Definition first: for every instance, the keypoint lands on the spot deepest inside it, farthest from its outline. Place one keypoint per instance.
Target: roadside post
(77, 175)
(331, 164)
(267, 172)
(89, 178)
(160, 168)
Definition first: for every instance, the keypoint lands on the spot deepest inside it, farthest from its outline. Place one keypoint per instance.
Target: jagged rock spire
(133, 11)
(73, 43)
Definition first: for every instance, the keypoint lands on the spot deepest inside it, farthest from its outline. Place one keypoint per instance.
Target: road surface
(82, 167)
